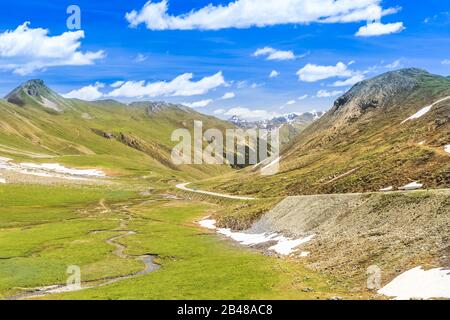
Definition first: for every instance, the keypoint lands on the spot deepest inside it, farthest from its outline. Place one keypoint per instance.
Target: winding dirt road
(183, 186)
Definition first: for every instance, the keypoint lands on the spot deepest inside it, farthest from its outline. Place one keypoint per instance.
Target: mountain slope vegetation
(130, 140)
(387, 131)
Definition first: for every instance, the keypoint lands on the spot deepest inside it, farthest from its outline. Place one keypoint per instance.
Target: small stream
(147, 259)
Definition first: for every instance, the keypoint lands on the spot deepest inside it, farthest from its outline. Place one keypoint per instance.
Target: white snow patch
(387, 189)
(419, 114)
(304, 254)
(57, 168)
(419, 284)
(247, 239)
(424, 110)
(208, 224)
(284, 246)
(412, 186)
(447, 148)
(51, 170)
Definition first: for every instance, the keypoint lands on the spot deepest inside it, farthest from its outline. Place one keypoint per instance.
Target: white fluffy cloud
(394, 65)
(350, 81)
(274, 54)
(228, 95)
(249, 114)
(446, 61)
(274, 74)
(383, 66)
(25, 50)
(303, 97)
(291, 102)
(140, 58)
(257, 13)
(256, 85)
(328, 94)
(379, 29)
(199, 104)
(88, 93)
(117, 84)
(180, 86)
(313, 72)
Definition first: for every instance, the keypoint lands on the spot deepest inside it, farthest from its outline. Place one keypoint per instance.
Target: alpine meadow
(237, 150)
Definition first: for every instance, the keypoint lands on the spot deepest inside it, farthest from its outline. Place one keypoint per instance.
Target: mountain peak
(36, 92)
(377, 92)
(411, 71)
(35, 87)
(36, 82)
(386, 94)
(236, 119)
(158, 106)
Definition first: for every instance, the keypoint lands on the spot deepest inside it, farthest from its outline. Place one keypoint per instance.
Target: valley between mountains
(362, 196)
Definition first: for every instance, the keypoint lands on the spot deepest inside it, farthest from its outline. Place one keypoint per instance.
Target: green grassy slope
(117, 138)
(361, 144)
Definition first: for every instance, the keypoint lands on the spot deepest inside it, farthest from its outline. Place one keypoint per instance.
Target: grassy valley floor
(45, 229)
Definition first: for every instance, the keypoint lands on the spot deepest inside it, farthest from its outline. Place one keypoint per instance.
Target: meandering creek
(147, 260)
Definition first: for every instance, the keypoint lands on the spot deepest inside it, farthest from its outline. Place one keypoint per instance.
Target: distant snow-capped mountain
(289, 125)
(276, 122)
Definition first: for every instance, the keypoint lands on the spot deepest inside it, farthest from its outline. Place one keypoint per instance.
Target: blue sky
(313, 61)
